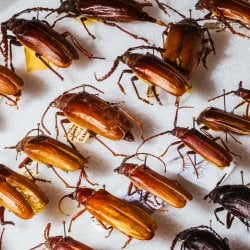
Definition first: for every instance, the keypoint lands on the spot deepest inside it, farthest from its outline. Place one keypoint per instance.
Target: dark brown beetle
(242, 93)
(235, 199)
(10, 84)
(201, 237)
(227, 11)
(153, 70)
(60, 242)
(186, 45)
(47, 44)
(146, 179)
(96, 115)
(110, 12)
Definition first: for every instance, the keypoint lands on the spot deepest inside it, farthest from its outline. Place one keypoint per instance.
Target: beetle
(120, 214)
(201, 237)
(10, 84)
(235, 199)
(220, 120)
(186, 45)
(96, 115)
(19, 195)
(242, 93)
(109, 12)
(47, 44)
(227, 11)
(49, 151)
(60, 242)
(153, 70)
(144, 178)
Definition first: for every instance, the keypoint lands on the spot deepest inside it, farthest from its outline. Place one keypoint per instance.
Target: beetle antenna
(71, 196)
(224, 94)
(242, 177)
(1, 238)
(164, 6)
(29, 10)
(42, 119)
(160, 50)
(115, 65)
(83, 86)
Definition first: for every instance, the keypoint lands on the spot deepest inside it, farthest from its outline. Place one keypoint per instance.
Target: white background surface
(226, 69)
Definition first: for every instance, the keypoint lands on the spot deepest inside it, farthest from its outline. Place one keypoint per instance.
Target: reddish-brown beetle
(96, 115)
(186, 45)
(120, 214)
(146, 179)
(19, 195)
(47, 44)
(226, 11)
(153, 71)
(53, 153)
(10, 84)
(60, 242)
(109, 12)
(241, 92)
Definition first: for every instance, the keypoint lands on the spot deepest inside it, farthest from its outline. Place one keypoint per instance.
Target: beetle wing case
(120, 214)
(20, 195)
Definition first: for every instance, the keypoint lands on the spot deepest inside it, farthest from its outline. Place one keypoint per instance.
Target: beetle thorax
(62, 101)
(179, 132)
(14, 23)
(52, 242)
(127, 168)
(82, 194)
(131, 58)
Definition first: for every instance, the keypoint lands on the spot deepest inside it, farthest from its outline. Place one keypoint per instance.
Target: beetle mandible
(145, 179)
(235, 199)
(201, 237)
(117, 213)
(19, 195)
(60, 242)
(47, 44)
(96, 115)
(226, 11)
(153, 70)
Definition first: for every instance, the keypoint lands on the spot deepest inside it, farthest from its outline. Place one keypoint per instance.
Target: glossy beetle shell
(146, 179)
(43, 40)
(120, 214)
(20, 195)
(231, 9)
(204, 146)
(49, 151)
(10, 83)
(91, 112)
(219, 120)
(118, 11)
(184, 46)
(157, 72)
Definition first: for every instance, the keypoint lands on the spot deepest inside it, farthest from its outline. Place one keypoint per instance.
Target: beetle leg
(33, 178)
(12, 102)
(234, 137)
(217, 210)
(75, 217)
(193, 163)
(130, 187)
(84, 175)
(247, 110)
(238, 105)
(48, 65)
(107, 147)
(125, 31)
(3, 222)
(204, 129)
(172, 144)
(133, 79)
(12, 41)
(25, 162)
(154, 92)
(1, 238)
(230, 219)
(59, 113)
(127, 242)
(83, 19)
(126, 71)
(110, 228)
(181, 155)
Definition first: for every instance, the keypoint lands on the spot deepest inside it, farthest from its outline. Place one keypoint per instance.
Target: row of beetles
(186, 44)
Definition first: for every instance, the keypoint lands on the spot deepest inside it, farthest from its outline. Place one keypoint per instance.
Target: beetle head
(179, 132)
(82, 194)
(12, 23)
(67, 6)
(62, 101)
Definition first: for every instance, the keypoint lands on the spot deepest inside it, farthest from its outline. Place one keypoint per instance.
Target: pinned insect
(109, 12)
(96, 115)
(48, 45)
(201, 237)
(152, 70)
(10, 84)
(235, 199)
(226, 12)
(242, 93)
(53, 153)
(145, 179)
(60, 242)
(120, 214)
(19, 195)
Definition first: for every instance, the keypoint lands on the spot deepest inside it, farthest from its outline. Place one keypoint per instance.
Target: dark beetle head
(68, 6)
(129, 136)
(13, 23)
(190, 21)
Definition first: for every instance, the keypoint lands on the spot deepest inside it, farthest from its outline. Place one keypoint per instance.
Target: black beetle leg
(230, 219)
(110, 228)
(83, 19)
(217, 210)
(3, 222)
